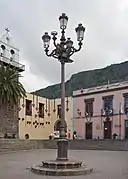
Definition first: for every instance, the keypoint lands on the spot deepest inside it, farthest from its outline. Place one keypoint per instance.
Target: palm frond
(10, 88)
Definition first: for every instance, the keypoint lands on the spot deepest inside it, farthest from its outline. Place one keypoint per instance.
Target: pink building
(101, 111)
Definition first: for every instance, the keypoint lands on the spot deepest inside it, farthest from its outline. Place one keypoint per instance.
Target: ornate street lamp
(63, 51)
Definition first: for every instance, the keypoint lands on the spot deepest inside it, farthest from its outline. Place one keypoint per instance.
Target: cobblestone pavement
(106, 164)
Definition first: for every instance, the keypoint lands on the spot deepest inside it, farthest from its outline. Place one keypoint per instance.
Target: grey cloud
(105, 38)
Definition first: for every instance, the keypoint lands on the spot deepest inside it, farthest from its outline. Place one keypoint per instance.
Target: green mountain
(85, 79)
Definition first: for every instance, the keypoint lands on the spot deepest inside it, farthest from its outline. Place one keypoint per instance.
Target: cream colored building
(39, 117)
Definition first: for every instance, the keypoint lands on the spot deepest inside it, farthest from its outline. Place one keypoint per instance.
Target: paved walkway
(107, 165)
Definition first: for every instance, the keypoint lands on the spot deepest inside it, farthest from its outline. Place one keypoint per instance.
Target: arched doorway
(57, 125)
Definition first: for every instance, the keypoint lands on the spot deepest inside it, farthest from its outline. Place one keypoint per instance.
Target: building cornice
(102, 91)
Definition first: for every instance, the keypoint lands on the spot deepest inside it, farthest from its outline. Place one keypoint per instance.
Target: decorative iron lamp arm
(79, 48)
(52, 54)
(74, 50)
(54, 38)
(48, 54)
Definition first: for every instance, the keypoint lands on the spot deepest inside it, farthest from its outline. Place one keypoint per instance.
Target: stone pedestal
(61, 168)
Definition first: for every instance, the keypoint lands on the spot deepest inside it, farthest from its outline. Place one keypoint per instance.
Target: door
(107, 130)
(88, 130)
(126, 129)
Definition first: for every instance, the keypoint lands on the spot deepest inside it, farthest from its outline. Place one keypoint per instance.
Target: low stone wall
(112, 145)
(7, 145)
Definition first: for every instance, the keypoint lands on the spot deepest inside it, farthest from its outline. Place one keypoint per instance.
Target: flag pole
(120, 122)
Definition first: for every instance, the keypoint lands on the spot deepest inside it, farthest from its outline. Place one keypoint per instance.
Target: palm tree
(11, 90)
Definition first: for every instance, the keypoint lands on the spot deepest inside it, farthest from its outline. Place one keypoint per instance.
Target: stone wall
(7, 145)
(112, 145)
(9, 120)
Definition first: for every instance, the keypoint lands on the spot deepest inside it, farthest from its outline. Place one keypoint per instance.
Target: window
(126, 103)
(12, 52)
(28, 107)
(59, 111)
(3, 47)
(89, 106)
(41, 110)
(108, 105)
(2, 50)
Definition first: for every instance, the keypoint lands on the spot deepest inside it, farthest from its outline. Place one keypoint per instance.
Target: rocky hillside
(85, 79)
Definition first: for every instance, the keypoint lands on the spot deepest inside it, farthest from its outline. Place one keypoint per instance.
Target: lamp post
(63, 51)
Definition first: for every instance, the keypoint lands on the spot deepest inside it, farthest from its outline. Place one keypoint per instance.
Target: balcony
(6, 61)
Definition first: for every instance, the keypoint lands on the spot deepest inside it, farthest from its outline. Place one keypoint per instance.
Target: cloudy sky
(106, 37)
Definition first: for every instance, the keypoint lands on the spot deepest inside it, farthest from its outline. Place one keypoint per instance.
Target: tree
(11, 90)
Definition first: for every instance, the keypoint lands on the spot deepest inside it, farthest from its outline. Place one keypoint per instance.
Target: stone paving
(106, 164)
